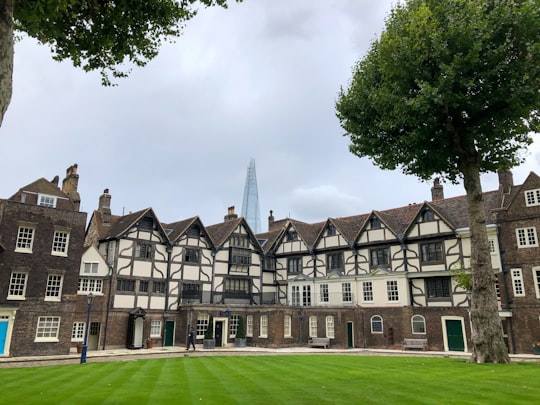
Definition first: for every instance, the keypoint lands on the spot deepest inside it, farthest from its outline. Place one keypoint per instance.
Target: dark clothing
(191, 339)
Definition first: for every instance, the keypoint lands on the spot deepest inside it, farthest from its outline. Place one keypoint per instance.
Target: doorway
(454, 334)
(93, 335)
(218, 333)
(350, 335)
(169, 333)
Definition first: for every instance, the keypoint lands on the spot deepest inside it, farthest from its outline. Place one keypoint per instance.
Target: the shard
(250, 204)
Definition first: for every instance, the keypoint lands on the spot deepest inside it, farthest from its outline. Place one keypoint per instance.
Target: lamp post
(87, 326)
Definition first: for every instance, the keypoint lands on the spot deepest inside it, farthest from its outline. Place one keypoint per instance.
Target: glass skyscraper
(250, 204)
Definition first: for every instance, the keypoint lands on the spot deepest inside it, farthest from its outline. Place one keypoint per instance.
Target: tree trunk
(487, 335)
(6, 55)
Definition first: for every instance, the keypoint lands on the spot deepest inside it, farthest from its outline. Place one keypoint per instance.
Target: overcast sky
(258, 80)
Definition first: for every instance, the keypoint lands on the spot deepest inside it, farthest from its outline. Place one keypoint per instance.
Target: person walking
(191, 338)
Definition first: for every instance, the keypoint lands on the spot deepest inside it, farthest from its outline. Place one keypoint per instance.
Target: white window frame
(312, 326)
(295, 295)
(263, 333)
(517, 282)
(90, 285)
(367, 291)
(526, 237)
(60, 243)
(323, 289)
(287, 326)
(249, 326)
(48, 328)
(15, 285)
(372, 319)
(202, 324)
(392, 290)
(91, 267)
(233, 325)
(77, 331)
(418, 320)
(306, 295)
(25, 237)
(155, 328)
(536, 278)
(532, 197)
(53, 289)
(47, 200)
(330, 326)
(346, 292)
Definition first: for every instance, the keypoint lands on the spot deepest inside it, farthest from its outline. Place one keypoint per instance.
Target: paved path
(165, 352)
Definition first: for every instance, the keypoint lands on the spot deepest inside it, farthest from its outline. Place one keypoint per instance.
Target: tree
(451, 88)
(94, 34)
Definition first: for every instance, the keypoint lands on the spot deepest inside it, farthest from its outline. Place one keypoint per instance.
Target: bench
(415, 344)
(319, 342)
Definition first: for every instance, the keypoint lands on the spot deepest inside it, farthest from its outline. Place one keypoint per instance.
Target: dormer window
(532, 197)
(331, 230)
(428, 215)
(292, 235)
(375, 223)
(194, 231)
(146, 224)
(48, 201)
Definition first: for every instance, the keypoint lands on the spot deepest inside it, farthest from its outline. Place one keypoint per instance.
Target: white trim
(445, 332)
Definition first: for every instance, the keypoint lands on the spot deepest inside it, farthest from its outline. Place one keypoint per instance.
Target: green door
(350, 341)
(454, 334)
(169, 333)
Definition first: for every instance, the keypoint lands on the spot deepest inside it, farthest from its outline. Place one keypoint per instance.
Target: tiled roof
(42, 186)
(349, 227)
(219, 233)
(180, 227)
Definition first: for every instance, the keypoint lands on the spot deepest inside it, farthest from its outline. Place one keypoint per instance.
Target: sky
(258, 80)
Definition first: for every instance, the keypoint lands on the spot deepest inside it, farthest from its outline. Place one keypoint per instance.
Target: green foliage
(290, 379)
(448, 84)
(463, 278)
(209, 332)
(104, 34)
(241, 332)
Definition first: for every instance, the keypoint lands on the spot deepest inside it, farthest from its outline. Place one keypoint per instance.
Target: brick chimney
(230, 214)
(70, 185)
(506, 180)
(105, 207)
(437, 192)
(270, 220)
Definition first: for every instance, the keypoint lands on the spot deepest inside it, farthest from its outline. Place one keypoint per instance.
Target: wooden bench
(415, 344)
(319, 342)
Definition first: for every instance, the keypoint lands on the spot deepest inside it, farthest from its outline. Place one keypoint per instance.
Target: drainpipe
(166, 311)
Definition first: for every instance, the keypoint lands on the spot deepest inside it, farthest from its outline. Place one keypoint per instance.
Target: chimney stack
(55, 181)
(437, 192)
(105, 207)
(506, 180)
(230, 214)
(70, 185)
(270, 220)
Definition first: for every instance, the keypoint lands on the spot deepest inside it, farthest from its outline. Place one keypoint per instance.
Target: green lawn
(289, 379)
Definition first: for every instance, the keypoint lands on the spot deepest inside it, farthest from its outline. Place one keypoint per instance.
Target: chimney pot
(437, 191)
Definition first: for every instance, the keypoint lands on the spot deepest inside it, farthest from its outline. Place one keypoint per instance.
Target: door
(350, 340)
(93, 335)
(138, 333)
(169, 333)
(3, 335)
(454, 334)
(218, 332)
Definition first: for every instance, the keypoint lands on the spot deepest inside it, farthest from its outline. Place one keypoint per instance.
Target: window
(330, 327)
(146, 224)
(517, 282)
(427, 215)
(77, 331)
(48, 201)
(53, 291)
(194, 231)
(375, 223)
(159, 287)
(143, 286)
(312, 326)
(306, 295)
(392, 290)
(438, 287)
(25, 239)
(335, 261)
(376, 324)
(237, 286)
(123, 284)
(90, 268)
(380, 257)
(60, 243)
(264, 326)
(526, 237)
(432, 252)
(418, 324)
(294, 265)
(93, 285)
(190, 290)
(241, 257)
(249, 325)
(155, 328)
(233, 325)
(324, 292)
(292, 235)
(143, 250)
(241, 241)
(346, 292)
(17, 285)
(367, 291)
(532, 197)
(331, 230)
(191, 255)
(295, 295)
(287, 326)
(47, 329)
(202, 325)
(491, 243)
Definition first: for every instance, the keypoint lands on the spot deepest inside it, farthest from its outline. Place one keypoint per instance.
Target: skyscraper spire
(250, 204)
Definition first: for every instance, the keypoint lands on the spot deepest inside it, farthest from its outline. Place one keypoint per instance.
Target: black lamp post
(87, 326)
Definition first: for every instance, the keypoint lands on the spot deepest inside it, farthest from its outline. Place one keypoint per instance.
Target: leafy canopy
(448, 84)
(103, 34)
